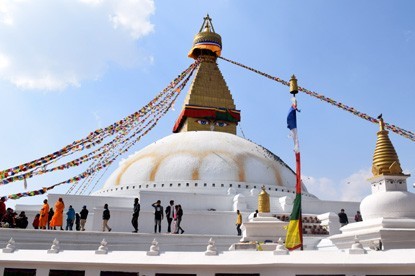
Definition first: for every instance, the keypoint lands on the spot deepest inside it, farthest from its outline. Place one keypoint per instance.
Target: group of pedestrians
(344, 220)
(174, 214)
(10, 219)
(50, 218)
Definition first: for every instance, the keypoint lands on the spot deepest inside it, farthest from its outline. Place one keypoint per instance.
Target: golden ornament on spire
(263, 201)
(385, 159)
(206, 42)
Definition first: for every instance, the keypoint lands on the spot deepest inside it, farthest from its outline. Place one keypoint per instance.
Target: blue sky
(70, 67)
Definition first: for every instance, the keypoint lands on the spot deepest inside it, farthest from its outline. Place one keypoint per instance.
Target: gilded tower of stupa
(208, 104)
(385, 159)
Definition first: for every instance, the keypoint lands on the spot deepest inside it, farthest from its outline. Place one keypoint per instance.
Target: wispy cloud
(97, 118)
(352, 188)
(409, 35)
(50, 45)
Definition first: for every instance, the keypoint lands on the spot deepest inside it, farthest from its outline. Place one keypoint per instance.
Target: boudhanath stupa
(212, 172)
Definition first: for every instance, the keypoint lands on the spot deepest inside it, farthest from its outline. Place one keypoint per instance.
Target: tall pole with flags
(294, 238)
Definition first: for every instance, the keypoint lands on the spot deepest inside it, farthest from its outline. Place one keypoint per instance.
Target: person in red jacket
(2, 207)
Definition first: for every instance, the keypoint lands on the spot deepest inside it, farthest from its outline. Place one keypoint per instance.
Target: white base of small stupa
(393, 233)
(264, 227)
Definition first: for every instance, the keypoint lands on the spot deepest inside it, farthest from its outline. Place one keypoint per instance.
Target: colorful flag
(294, 238)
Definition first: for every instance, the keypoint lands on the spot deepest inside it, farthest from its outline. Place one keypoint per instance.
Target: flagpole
(294, 238)
(294, 91)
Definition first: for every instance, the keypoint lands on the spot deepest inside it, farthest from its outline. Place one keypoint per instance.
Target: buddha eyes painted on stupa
(221, 124)
(205, 122)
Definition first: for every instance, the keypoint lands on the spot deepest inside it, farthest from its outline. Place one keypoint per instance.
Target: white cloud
(50, 45)
(356, 186)
(352, 188)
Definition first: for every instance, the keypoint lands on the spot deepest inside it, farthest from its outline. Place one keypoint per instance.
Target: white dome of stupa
(392, 204)
(200, 157)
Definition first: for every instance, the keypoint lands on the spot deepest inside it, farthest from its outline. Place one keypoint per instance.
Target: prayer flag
(294, 238)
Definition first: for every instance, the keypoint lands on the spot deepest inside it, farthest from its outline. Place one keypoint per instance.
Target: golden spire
(209, 105)
(385, 159)
(206, 42)
(263, 201)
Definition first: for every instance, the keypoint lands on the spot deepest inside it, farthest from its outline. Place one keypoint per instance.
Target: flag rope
(400, 131)
(109, 152)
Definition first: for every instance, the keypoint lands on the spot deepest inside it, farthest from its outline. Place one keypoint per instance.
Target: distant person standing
(158, 215)
(343, 218)
(77, 222)
(170, 215)
(70, 218)
(136, 214)
(84, 215)
(44, 214)
(57, 219)
(3, 209)
(256, 213)
(51, 213)
(35, 222)
(105, 218)
(358, 216)
(238, 222)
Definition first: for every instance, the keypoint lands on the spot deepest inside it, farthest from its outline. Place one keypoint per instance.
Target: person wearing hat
(84, 215)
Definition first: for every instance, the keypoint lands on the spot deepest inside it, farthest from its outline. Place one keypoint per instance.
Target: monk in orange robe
(57, 219)
(44, 214)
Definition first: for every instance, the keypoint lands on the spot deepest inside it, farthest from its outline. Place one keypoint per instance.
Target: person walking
(44, 214)
(158, 215)
(238, 222)
(57, 219)
(84, 215)
(343, 218)
(170, 215)
(70, 218)
(179, 215)
(105, 218)
(136, 214)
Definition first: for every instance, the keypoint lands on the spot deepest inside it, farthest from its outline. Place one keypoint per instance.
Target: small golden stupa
(263, 201)
(385, 159)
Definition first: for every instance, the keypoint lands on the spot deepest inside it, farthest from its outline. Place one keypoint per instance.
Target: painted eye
(221, 124)
(203, 122)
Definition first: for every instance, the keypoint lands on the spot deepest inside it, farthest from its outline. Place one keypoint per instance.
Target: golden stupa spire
(206, 42)
(208, 105)
(385, 159)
